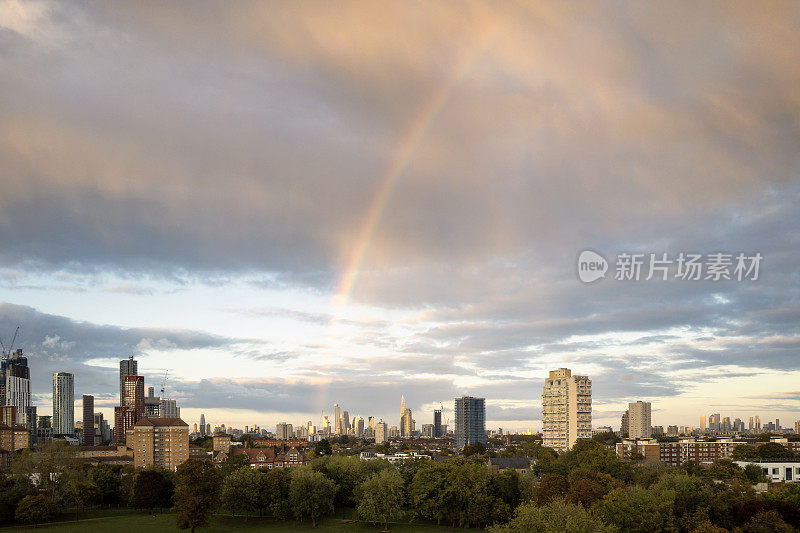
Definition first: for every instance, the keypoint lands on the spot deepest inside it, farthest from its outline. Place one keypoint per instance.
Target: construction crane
(164, 382)
(7, 352)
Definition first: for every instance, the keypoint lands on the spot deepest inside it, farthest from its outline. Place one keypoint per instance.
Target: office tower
(345, 422)
(63, 403)
(777, 424)
(437, 423)
(168, 408)
(371, 422)
(88, 420)
(202, 425)
(406, 424)
(624, 424)
(566, 409)
(15, 388)
(470, 414)
(208, 429)
(402, 405)
(797, 427)
(726, 424)
(381, 432)
(758, 424)
(750, 425)
(702, 424)
(358, 426)
(427, 431)
(160, 442)
(283, 431)
(337, 421)
(639, 426)
(127, 367)
(715, 422)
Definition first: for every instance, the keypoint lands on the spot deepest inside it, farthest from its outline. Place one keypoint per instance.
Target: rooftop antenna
(7, 352)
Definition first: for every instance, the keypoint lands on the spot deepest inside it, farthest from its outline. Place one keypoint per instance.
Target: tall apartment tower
(381, 432)
(132, 408)
(566, 409)
(437, 423)
(63, 403)
(88, 420)
(470, 414)
(15, 389)
(639, 423)
(127, 367)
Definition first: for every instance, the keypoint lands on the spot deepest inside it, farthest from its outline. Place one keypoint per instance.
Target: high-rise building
(402, 405)
(381, 432)
(202, 425)
(758, 424)
(437, 423)
(168, 408)
(702, 424)
(88, 420)
(624, 424)
(345, 423)
(337, 421)
(639, 424)
(358, 426)
(407, 424)
(15, 388)
(161, 442)
(797, 427)
(470, 418)
(152, 404)
(566, 409)
(284, 431)
(101, 430)
(127, 367)
(63, 403)
(132, 409)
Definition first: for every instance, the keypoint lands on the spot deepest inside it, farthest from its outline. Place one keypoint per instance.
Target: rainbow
(403, 154)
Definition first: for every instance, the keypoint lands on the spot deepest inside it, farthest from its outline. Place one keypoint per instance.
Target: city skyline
(291, 206)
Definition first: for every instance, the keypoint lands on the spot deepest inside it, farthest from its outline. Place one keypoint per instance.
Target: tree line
(586, 489)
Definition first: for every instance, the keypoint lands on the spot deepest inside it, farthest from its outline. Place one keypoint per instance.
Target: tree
(637, 510)
(773, 450)
(311, 495)
(151, 489)
(239, 491)
(754, 473)
(348, 472)
(744, 451)
(767, 522)
(556, 516)
(196, 493)
(585, 492)
(234, 462)
(107, 480)
(551, 487)
(11, 493)
(708, 527)
(34, 508)
(477, 448)
(608, 438)
(322, 447)
(382, 497)
(273, 492)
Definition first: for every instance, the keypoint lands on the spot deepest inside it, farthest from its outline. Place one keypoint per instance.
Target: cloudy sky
(289, 204)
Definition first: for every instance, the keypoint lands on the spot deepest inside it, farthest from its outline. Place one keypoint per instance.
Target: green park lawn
(166, 522)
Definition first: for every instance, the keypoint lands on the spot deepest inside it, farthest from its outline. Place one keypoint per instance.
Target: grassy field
(166, 522)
